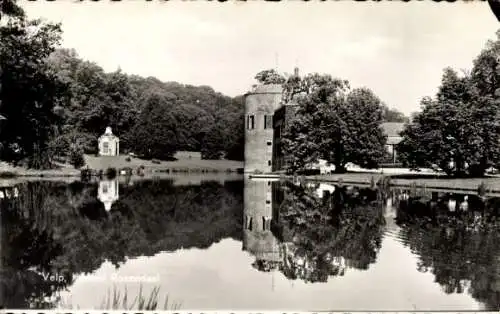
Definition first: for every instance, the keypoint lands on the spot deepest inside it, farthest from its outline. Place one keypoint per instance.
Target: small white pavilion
(109, 144)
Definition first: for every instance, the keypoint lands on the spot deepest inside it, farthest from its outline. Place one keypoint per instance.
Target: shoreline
(488, 185)
(96, 164)
(179, 179)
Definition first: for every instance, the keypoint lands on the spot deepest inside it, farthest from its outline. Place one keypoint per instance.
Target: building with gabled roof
(393, 131)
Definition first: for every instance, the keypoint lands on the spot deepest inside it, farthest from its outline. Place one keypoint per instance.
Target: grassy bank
(180, 166)
(193, 164)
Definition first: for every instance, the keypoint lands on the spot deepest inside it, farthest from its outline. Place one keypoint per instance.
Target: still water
(242, 244)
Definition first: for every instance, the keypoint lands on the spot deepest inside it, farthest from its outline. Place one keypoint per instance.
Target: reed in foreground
(115, 300)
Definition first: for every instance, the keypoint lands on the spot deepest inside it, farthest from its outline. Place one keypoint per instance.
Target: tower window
(248, 223)
(266, 223)
(251, 122)
(269, 143)
(269, 163)
(268, 121)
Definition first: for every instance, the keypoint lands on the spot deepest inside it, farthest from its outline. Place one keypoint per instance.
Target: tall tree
(155, 134)
(393, 115)
(11, 9)
(485, 78)
(29, 89)
(334, 124)
(458, 131)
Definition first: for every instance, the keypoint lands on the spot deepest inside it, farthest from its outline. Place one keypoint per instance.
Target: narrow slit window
(251, 122)
(268, 122)
(249, 223)
(266, 223)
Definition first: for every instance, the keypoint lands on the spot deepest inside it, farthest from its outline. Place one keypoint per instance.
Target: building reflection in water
(272, 244)
(9, 192)
(108, 192)
(257, 217)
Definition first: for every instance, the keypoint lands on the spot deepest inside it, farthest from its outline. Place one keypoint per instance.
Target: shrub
(140, 171)
(111, 173)
(7, 174)
(156, 161)
(128, 159)
(61, 145)
(76, 158)
(85, 175)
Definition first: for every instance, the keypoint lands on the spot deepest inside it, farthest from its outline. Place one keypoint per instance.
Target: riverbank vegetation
(54, 105)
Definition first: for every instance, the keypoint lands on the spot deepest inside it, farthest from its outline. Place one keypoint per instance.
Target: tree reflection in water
(323, 236)
(64, 230)
(457, 238)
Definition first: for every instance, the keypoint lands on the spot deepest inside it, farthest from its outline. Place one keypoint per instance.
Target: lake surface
(247, 245)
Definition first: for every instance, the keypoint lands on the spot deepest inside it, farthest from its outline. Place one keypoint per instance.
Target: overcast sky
(397, 49)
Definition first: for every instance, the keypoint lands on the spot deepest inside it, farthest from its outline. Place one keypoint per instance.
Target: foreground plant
(115, 300)
(140, 302)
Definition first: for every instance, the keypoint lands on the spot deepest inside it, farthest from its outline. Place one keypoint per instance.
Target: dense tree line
(458, 131)
(53, 103)
(153, 118)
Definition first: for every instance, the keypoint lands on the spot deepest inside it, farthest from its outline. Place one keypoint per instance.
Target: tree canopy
(334, 123)
(458, 131)
(270, 76)
(127, 103)
(393, 115)
(29, 89)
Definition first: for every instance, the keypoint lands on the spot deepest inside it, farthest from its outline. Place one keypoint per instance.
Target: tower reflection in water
(258, 238)
(273, 244)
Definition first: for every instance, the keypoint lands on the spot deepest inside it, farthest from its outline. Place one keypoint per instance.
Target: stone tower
(260, 105)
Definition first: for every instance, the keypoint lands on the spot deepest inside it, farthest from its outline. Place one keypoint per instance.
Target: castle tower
(260, 105)
(257, 215)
